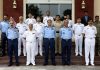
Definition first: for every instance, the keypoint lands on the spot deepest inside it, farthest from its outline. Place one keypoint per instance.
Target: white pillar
(24, 9)
(73, 10)
(1, 9)
(96, 7)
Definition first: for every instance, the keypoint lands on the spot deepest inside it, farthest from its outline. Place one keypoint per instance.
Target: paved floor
(73, 67)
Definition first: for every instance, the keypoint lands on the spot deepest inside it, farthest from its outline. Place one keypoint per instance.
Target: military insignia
(69, 29)
(87, 28)
(81, 26)
(93, 29)
(63, 32)
(52, 28)
(24, 26)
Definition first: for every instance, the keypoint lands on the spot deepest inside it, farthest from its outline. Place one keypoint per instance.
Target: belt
(66, 39)
(3, 33)
(12, 39)
(91, 38)
(49, 38)
(57, 31)
(29, 42)
(21, 34)
(78, 35)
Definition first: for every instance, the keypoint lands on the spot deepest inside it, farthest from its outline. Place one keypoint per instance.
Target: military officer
(49, 43)
(4, 25)
(90, 34)
(97, 24)
(12, 36)
(85, 18)
(66, 43)
(78, 28)
(58, 24)
(30, 37)
(22, 27)
(30, 19)
(45, 18)
(71, 23)
(39, 26)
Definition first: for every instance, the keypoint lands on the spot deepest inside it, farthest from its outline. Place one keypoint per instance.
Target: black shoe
(10, 64)
(54, 64)
(17, 64)
(59, 54)
(2, 55)
(63, 63)
(45, 64)
(56, 54)
(68, 64)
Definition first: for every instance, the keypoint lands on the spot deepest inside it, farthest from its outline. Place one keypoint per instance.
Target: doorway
(55, 9)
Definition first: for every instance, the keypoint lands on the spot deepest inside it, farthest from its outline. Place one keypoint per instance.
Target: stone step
(75, 60)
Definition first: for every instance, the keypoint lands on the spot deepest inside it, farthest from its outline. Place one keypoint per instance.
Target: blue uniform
(49, 41)
(66, 43)
(12, 36)
(4, 25)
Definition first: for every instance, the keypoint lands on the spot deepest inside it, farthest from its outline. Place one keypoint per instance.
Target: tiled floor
(73, 67)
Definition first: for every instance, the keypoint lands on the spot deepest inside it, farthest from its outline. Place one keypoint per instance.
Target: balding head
(30, 27)
(21, 19)
(49, 21)
(65, 23)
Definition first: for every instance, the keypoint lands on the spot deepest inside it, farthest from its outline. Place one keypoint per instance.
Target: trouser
(66, 51)
(39, 44)
(89, 50)
(57, 44)
(30, 51)
(49, 44)
(98, 45)
(3, 43)
(78, 43)
(21, 42)
(13, 46)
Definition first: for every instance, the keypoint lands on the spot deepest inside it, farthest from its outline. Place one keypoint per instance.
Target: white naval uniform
(39, 29)
(71, 23)
(90, 34)
(30, 37)
(46, 18)
(22, 27)
(30, 21)
(78, 29)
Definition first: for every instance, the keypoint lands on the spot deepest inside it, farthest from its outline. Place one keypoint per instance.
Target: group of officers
(54, 36)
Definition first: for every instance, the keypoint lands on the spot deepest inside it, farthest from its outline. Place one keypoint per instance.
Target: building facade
(92, 7)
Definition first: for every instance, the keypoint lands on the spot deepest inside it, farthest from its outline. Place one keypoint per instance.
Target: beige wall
(96, 7)
(1, 9)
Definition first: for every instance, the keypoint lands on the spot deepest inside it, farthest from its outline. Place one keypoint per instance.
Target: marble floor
(49, 67)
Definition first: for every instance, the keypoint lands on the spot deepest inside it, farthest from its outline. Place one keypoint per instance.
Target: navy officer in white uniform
(90, 32)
